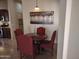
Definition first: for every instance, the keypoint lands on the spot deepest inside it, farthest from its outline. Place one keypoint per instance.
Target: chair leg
(33, 57)
(21, 56)
(30, 57)
(51, 52)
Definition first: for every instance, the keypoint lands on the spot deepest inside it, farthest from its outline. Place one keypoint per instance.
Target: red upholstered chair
(49, 44)
(18, 32)
(26, 46)
(41, 33)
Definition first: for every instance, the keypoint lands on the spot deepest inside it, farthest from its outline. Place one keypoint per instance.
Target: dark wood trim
(42, 13)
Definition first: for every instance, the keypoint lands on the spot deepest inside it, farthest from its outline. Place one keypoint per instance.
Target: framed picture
(43, 17)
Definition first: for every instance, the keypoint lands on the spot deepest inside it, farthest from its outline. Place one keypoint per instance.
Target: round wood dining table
(36, 40)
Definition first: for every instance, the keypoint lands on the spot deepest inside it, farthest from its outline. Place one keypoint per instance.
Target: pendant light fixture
(36, 9)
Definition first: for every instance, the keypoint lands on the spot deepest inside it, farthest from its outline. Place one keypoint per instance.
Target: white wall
(3, 4)
(12, 15)
(45, 5)
(73, 48)
(62, 11)
(67, 28)
(13, 22)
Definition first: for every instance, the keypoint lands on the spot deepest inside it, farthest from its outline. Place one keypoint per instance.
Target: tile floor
(8, 52)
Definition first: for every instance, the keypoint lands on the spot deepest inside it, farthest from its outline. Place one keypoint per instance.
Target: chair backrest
(41, 31)
(53, 37)
(18, 32)
(25, 45)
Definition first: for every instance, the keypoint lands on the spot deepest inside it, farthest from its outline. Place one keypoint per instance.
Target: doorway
(58, 6)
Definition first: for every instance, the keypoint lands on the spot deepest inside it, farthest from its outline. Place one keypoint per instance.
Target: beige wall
(13, 22)
(73, 42)
(3, 4)
(45, 5)
(71, 37)
(12, 15)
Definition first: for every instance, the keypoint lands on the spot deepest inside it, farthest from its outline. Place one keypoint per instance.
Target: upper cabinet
(4, 24)
(4, 18)
(4, 15)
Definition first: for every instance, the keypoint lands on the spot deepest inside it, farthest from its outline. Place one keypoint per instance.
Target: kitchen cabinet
(4, 24)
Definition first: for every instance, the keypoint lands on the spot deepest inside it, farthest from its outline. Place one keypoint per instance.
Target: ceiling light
(36, 9)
